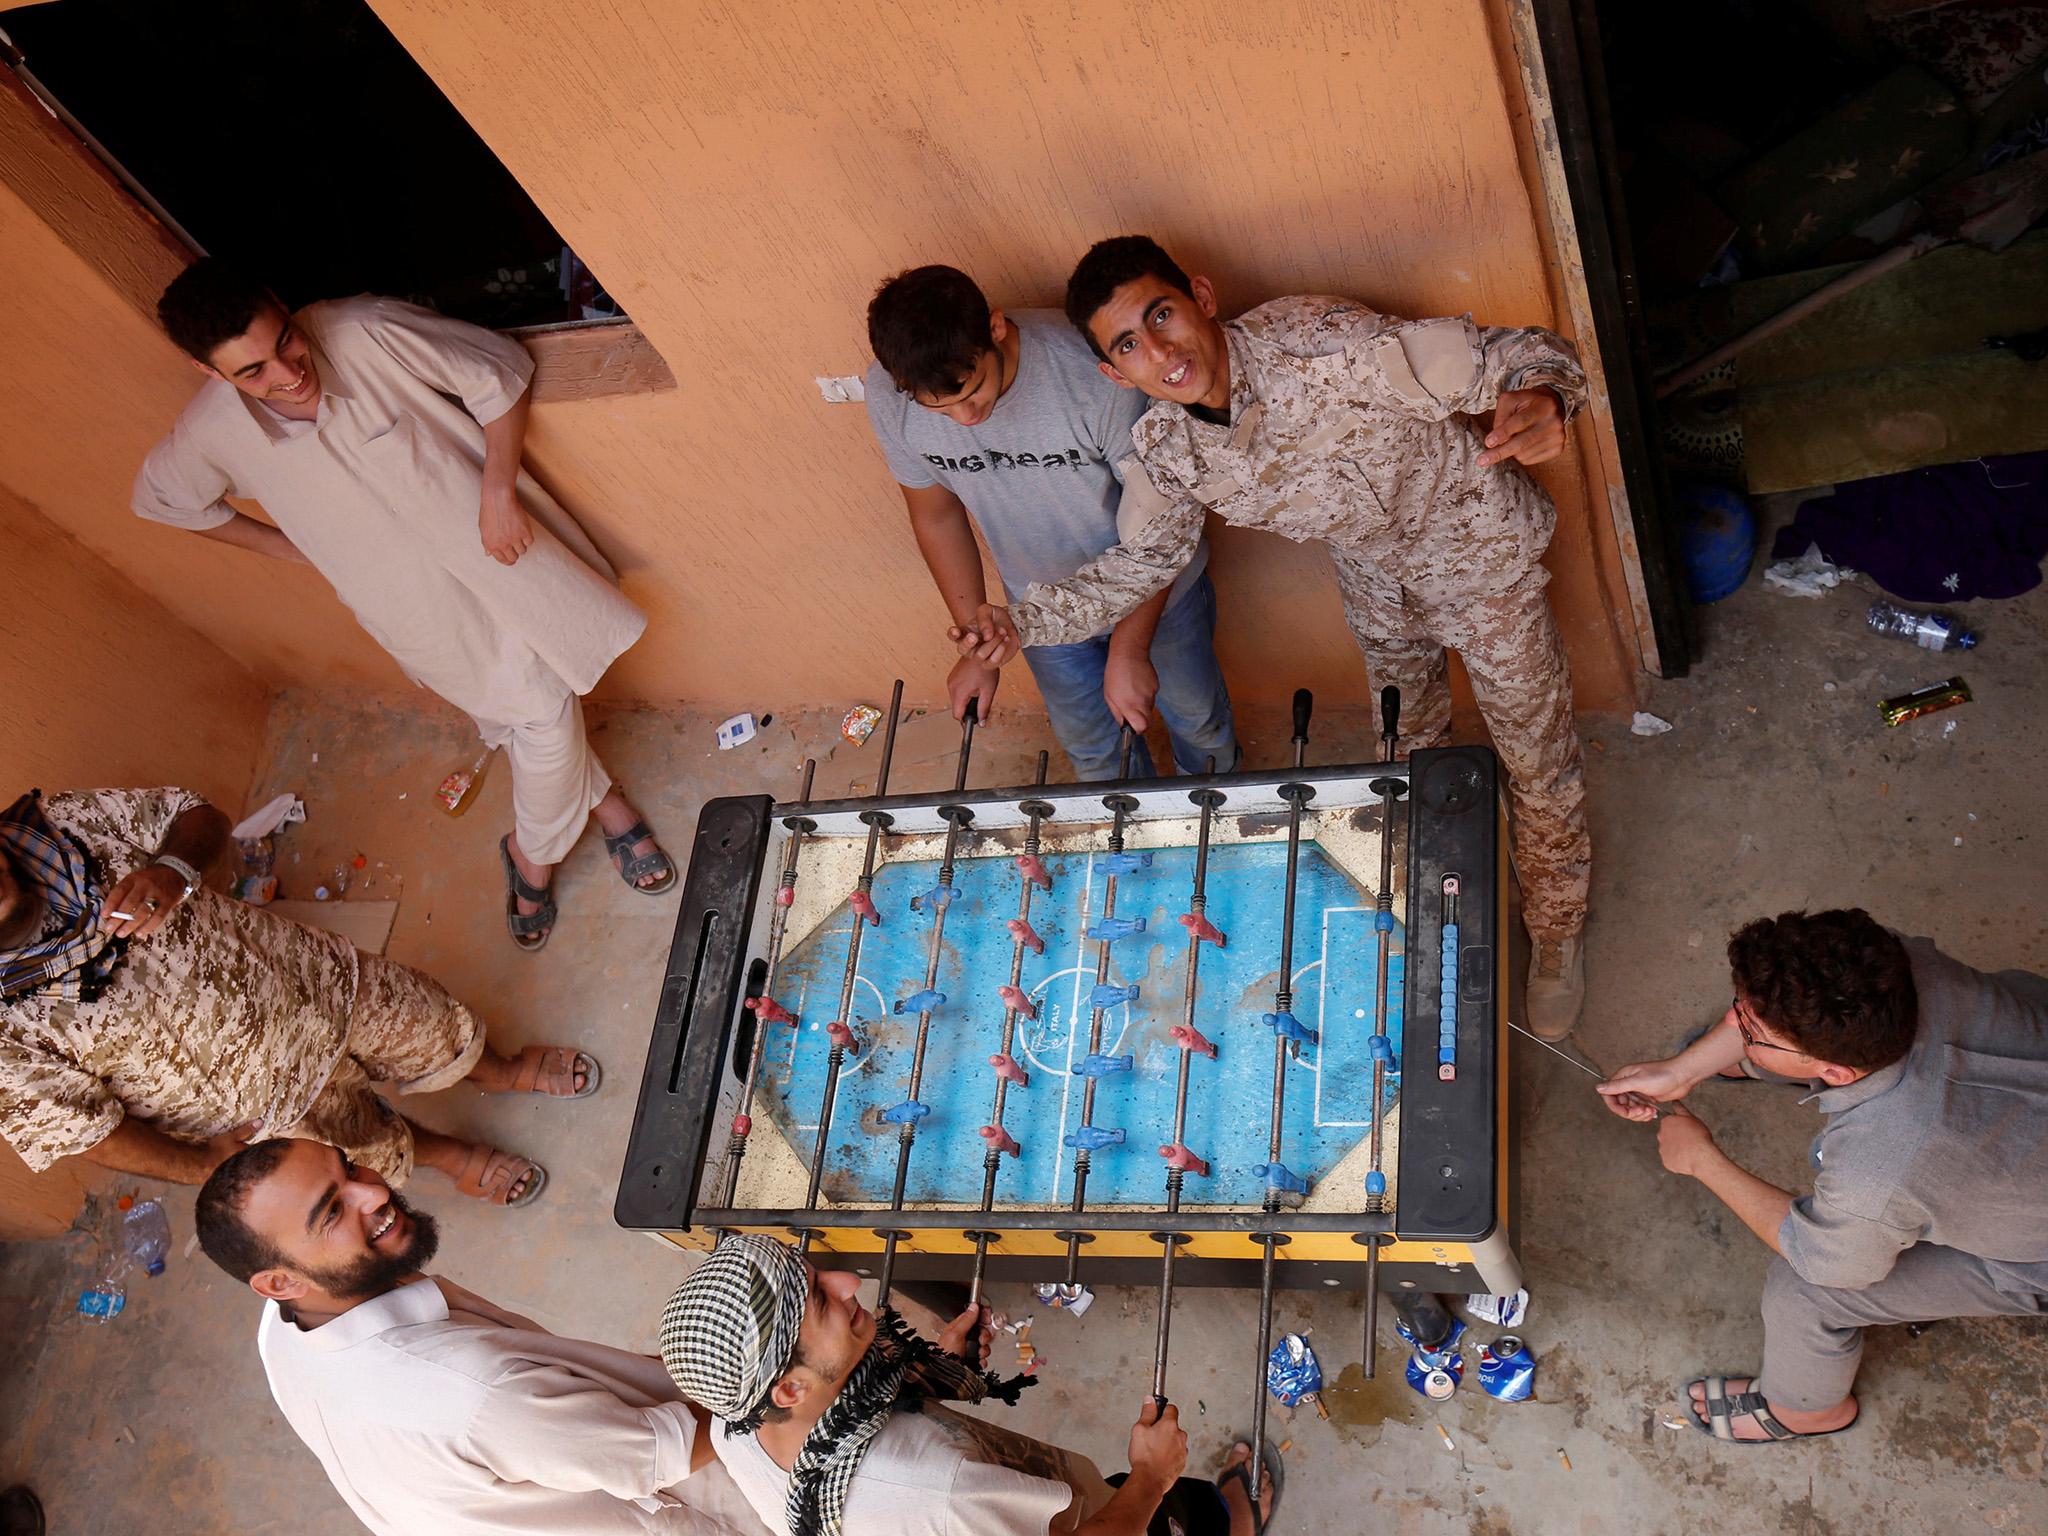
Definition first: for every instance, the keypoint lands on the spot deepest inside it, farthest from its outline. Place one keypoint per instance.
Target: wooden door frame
(1556, 50)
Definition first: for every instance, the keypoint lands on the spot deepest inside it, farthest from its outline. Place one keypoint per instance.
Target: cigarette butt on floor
(1286, 1446)
(1449, 1444)
(1564, 1460)
(1674, 1424)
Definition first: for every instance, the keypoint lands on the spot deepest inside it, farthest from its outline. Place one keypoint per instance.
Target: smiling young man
(1325, 422)
(1926, 1198)
(429, 1408)
(384, 442)
(1002, 417)
(829, 1424)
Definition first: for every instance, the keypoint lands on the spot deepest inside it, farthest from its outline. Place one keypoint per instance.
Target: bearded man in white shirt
(428, 1407)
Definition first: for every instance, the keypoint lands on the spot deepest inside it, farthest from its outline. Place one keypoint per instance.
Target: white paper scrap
(284, 810)
(1811, 575)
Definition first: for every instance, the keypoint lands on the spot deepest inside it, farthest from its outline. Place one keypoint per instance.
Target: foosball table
(1236, 1029)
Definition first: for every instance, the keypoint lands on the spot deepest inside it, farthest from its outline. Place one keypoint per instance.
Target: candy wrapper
(1507, 1370)
(859, 723)
(1900, 708)
(1501, 1311)
(1293, 1374)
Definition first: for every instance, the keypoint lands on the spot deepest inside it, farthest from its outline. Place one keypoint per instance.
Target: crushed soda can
(1439, 1380)
(1076, 1299)
(1447, 1347)
(1500, 1311)
(859, 723)
(1436, 1385)
(1292, 1371)
(1507, 1370)
(1435, 1373)
(1901, 707)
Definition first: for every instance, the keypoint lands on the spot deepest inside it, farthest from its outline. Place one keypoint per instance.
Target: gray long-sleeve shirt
(1948, 1146)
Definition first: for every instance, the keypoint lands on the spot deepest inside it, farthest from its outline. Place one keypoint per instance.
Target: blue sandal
(529, 930)
(630, 869)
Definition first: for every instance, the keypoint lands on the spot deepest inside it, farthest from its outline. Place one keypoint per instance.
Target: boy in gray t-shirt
(1007, 419)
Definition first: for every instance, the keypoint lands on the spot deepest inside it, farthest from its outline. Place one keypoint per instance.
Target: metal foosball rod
(1389, 789)
(997, 1140)
(1288, 1035)
(939, 899)
(1105, 930)
(863, 903)
(1179, 1160)
(765, 1009)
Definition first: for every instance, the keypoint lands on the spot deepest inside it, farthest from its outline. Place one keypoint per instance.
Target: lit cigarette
(1449, 1444)
(126, 917)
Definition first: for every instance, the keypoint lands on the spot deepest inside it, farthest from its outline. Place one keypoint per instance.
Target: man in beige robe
(384, 442)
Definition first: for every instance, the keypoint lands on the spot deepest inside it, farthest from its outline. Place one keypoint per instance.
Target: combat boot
(1557, 986)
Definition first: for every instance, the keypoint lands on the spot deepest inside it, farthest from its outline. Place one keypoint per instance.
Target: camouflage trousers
(1522, 683)
(407, 1030)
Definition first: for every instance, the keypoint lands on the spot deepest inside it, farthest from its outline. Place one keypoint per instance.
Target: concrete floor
(1777, 788)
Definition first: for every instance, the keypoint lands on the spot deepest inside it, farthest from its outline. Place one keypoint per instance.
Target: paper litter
(1647, 724)
(281, 812)
(1811, 575)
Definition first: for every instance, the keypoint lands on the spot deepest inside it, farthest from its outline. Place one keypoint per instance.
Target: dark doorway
(299, 140)
(1805, 226)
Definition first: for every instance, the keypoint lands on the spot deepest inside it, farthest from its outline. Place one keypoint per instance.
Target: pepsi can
(1435, 1375)
(1507, 1370)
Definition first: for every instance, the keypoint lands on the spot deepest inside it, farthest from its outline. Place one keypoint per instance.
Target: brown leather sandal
(489, 1175)
(539, 1065)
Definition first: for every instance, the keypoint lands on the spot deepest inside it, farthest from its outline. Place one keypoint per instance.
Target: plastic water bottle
(103, 1299)
(1935, 631)
(145, 1233)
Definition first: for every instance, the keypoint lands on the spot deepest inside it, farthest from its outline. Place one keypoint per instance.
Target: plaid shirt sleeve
(122, 828)
(49, 1107)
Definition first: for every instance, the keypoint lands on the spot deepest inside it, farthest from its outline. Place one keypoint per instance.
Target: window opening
(300, 141)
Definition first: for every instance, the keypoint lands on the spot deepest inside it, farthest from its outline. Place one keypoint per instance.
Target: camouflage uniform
(1353, 429)
(225, 1014)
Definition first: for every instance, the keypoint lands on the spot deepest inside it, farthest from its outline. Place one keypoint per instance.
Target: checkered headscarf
(729, 1333)
(74, 963)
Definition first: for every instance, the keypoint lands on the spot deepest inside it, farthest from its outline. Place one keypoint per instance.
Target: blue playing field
(1329, 1087)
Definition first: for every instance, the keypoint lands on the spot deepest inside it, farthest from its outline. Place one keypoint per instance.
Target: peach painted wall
(741, 176)
(105, 685)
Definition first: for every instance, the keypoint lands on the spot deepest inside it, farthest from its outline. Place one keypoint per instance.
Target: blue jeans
(1192, 698)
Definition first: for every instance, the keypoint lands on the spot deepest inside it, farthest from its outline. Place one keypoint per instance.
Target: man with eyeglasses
(1926, 1199)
